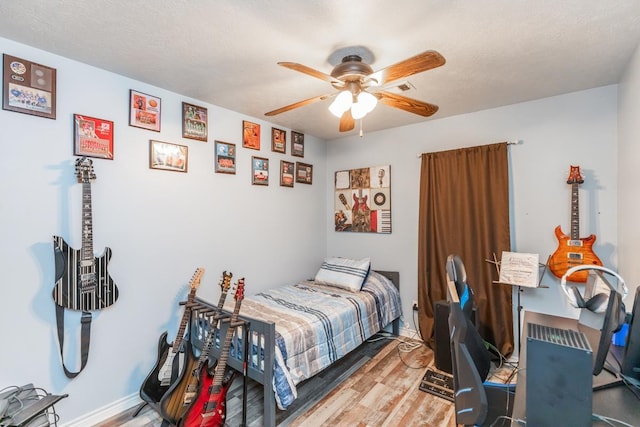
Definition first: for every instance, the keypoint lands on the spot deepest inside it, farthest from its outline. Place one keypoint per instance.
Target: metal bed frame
(260, 332)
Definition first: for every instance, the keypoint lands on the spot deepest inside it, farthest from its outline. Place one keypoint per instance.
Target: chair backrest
(458, 274)
(470, 359)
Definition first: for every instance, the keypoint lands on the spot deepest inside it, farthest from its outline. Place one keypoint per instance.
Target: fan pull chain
(360, 128)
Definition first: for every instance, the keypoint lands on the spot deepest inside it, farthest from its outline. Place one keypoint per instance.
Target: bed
(298, 330)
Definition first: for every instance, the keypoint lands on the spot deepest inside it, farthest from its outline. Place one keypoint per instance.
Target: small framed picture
(144, 111)
(28, 87)
(278, 140)
(304, 173)
(92, 137)
(250, 135)
(297, 144)
(168, 156)
(225, 157)
(259, 171)
(194, 122)
(287, 171)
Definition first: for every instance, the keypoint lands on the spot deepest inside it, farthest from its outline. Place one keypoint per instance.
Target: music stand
(519, 270)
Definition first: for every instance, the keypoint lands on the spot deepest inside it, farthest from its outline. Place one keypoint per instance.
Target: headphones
(598, 302)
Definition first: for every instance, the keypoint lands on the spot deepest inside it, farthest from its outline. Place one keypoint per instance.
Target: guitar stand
(138, 409)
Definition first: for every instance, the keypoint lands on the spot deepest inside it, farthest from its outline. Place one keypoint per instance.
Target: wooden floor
(375, 385)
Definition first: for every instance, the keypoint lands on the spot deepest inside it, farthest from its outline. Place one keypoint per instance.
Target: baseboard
(106, 412)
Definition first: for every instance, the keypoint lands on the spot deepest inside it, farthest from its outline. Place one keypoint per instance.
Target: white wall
(160, 225)
(573, 129)
(628, 182)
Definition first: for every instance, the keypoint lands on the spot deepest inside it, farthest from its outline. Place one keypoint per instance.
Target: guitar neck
(224, 354)
(575, 212)
(183, 323)
(86, 252)
(221, 367)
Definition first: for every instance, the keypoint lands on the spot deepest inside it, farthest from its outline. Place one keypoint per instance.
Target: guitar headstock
(239, 295)
(225, 282)
(195, 279)
(84, 170)
(574, 175)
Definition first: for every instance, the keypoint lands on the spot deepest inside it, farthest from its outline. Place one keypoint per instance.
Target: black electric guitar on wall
(165, 371)
(181, 393)
(82, 280)
(573, 250)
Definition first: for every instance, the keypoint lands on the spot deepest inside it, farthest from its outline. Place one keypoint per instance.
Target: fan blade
(407, 104)
(313, 73)
(298, 104)
(346, 121)
(416, 64)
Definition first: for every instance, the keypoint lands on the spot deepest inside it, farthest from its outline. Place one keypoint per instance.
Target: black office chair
(477, 402)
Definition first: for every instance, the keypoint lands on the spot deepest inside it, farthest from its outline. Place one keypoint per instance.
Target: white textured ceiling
(498, 52)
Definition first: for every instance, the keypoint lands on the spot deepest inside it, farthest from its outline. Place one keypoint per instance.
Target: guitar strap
(85, 337)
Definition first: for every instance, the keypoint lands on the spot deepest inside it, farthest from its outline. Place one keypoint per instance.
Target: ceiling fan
(360, 88)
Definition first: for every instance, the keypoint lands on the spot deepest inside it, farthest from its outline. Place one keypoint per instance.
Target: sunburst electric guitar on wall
(166, 371)
(183, 391)
(209, 408)
(82, 280)
(573, 250)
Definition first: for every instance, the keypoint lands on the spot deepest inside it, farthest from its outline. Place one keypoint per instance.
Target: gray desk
(616, 402)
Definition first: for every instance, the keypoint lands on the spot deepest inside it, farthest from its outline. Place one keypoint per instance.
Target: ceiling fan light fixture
(341, 104)
(369, 101)
(358, 111)
(366, 103)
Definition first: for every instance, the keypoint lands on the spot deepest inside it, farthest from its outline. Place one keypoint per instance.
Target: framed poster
(259, 171)
(144, 111)
(28, 87)
(168, 156)
(286, 173)
(304, 173)
(297, 144)
(92, 137)
(194, 122)
(279, 140)
(225, 157)
(362, 201)
(250, 135)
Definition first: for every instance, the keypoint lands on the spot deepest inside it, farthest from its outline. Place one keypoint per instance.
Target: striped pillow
(344, 273)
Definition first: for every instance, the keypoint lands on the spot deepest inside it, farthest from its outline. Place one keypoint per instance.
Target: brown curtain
(464, 210)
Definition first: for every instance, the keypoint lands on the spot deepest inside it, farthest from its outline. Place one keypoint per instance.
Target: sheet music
(519, 269)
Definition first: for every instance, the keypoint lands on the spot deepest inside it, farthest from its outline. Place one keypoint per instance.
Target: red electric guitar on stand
(209, 409)
(573, 250)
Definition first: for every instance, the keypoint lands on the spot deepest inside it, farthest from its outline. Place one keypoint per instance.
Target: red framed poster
(93, 137)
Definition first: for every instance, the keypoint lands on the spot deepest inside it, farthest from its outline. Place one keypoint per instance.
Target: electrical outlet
(415, 305)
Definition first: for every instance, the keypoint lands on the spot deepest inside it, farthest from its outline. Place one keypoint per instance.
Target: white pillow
(344, 273)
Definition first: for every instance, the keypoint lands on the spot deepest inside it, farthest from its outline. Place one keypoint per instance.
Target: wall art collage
(30, 88)
(362, 201)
